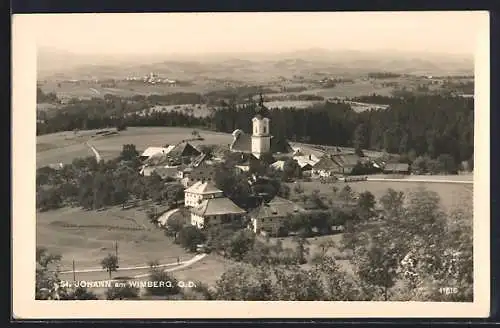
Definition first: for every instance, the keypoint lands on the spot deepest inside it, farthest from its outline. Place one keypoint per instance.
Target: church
(261, 141)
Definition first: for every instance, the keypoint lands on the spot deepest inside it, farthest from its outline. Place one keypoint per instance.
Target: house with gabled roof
(397, 168)
(270, 217)
(200, 191)
(215, 212)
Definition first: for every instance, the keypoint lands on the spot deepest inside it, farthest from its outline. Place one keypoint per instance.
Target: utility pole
(116, 253)
(74, 274)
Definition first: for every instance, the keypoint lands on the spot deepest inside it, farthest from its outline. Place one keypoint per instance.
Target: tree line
(392, 259)
(422, 125)
(92, 185)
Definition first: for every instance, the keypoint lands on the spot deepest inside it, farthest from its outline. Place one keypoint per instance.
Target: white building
(201, 190)
(261, 139)
(214, 212)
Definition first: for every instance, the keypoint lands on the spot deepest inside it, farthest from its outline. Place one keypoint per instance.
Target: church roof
(242, 142)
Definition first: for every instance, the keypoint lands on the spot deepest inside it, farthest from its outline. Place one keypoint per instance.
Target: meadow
(350, 90)
(89, 89)
(88, 236)
(452, 195)
(63, 147)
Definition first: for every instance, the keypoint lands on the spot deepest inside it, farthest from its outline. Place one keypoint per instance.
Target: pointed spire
(261, 100)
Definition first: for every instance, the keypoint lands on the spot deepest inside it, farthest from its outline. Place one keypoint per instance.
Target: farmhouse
(200, 191)
(203, 172)
(151, 151)
(346, 162)
(328, 165)
(164, 171)
(215, 211)
(397, 168)
(171, 153)
(306, 162)
(271, 217)
(325, 167)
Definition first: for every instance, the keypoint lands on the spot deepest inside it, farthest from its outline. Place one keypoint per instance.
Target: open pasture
(298, 104)
(92, 89)
(349, 90)
(452, 195)
(197, 110)
(88, 236)
(63, 147)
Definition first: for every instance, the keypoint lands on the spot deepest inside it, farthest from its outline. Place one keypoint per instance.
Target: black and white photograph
(335, 159)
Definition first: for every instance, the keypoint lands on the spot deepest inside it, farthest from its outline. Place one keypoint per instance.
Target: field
(349, 90)
(299, 104)
(63, 147)
(89, 89)
(198, 110)
(88, 236)
(452, 195)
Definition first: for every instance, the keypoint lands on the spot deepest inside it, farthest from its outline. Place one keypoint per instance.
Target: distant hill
(53, 63)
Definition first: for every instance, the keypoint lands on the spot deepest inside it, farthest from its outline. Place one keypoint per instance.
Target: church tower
(261, 139)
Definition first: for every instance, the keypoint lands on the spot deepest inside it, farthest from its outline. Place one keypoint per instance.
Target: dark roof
(277, 207)
(346, 159)
(217, 206)
(243, 143)
(184, 149)
(397, 167)
(325, 163)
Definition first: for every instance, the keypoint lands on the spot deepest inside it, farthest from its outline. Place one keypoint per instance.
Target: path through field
(95, 274)
(422, 180)
(96, 153)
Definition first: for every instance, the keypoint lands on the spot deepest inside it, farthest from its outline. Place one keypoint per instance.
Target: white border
(24, 236)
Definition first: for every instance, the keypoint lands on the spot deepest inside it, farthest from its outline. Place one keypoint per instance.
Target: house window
(265, 130)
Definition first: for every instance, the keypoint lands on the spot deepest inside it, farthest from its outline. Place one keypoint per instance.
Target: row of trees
(424, 125)
(406, 255)
(94, 185)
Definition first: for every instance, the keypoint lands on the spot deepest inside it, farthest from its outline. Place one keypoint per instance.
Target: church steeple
(261, 137)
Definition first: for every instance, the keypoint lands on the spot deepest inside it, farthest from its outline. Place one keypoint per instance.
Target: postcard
(251, 165)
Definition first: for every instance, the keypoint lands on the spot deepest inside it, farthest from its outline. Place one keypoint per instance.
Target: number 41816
(448, 290)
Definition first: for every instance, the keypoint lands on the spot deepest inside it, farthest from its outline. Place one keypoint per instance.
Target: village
(207, 206)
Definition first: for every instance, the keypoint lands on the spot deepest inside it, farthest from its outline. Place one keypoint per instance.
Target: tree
(377, 262)
(129, 152)
(447, 164)
(175, 225)
(126, 292)
(359, 139)
(366, 204)
(166, 284)
(47, 283)
(189, 237)
(195, 133)
(241, 243)
(392, 203)
(291, 170)
(346, 194)
(81, 293)
(302, 250)
(110, 263)
(238, 283)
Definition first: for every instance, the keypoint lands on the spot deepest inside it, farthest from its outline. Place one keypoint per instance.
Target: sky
(197, 33)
